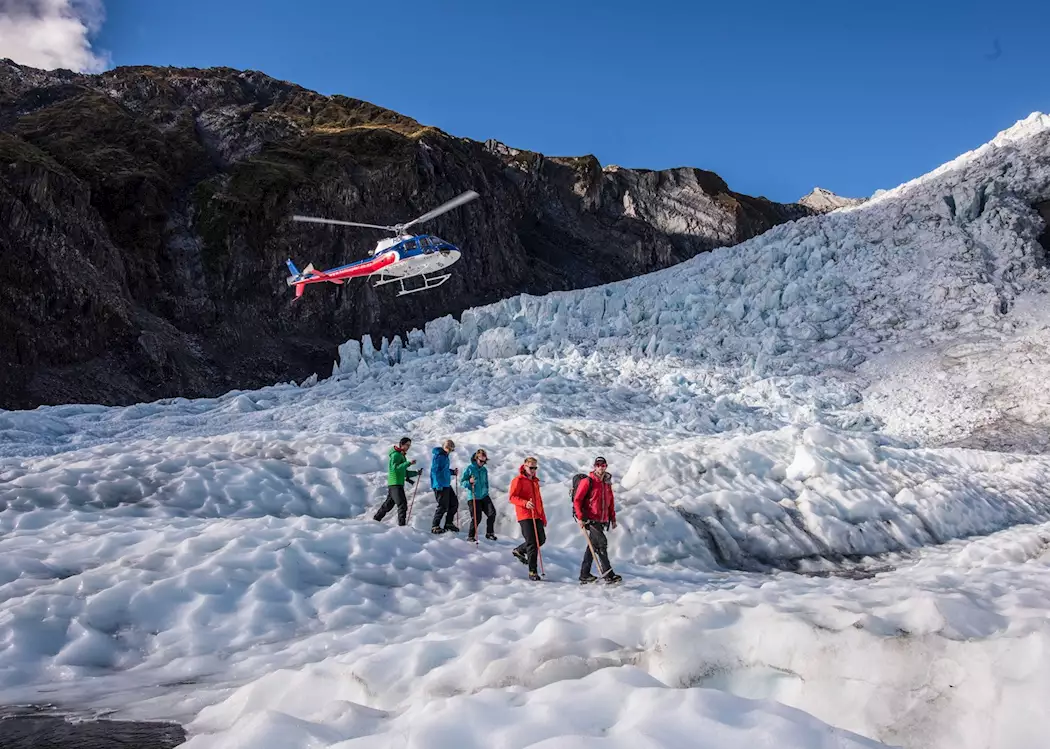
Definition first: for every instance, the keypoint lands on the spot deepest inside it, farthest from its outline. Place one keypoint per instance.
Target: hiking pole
(408, 519)
(457, 508)
(474, 515)
(594, 556)
(536, 539)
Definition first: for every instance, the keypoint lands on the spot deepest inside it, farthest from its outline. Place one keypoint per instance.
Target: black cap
(600, 461)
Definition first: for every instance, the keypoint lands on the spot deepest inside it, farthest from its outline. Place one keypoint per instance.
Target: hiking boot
(437, 529)
(452, 528)
(534, 576)
(584, 579)
(471, 537)
(490, 536)
(612, 577)
(520, 556)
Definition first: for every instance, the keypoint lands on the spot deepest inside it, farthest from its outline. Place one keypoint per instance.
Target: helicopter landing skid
(429, 282)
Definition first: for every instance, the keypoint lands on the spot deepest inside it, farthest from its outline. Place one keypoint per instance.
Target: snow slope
(773, 413)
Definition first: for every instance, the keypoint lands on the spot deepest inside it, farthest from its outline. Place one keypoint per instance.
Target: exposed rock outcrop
(820, 200)
(1044, 238)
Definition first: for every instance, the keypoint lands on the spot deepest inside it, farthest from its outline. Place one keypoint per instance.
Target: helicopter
(394, 259)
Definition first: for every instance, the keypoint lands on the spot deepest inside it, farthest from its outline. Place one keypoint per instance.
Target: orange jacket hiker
(524, 488)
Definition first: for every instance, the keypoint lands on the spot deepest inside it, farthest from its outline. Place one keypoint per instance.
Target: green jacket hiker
(398, 468)
(397, 473)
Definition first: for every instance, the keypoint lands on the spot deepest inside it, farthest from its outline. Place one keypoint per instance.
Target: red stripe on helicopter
(364, 268)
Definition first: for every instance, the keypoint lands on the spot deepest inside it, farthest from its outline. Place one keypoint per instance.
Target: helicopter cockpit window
(424, 241)
(410, 244)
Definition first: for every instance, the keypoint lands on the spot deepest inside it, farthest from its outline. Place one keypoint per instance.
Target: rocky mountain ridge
(144, 227)
(820, 200)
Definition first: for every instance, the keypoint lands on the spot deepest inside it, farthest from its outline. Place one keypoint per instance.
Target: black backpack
(576, 479)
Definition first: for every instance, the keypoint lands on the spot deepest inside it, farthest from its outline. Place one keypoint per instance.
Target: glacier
(828, 447)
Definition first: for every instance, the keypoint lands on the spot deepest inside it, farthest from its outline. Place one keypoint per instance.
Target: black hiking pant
(447, 504)
(395, 495)
(477, 507)
(596, 534)
(535, 536)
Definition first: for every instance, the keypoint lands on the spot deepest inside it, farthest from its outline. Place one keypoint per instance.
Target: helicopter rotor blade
(457, 201)
(314, 220)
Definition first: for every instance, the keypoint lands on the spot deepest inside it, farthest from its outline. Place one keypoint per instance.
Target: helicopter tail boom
(309, 274)
(361, 268)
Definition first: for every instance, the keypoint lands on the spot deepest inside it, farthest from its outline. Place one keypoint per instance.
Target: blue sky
(774, 96)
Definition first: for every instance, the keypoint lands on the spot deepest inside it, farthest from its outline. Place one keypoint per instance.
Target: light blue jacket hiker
(481, 479)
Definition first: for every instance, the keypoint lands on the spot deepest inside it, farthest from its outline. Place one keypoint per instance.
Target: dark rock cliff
(144, 223)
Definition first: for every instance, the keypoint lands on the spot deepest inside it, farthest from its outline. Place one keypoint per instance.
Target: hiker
(595, 512)
(528, 506)
(476, 481)
(397, 473)
(441, 482)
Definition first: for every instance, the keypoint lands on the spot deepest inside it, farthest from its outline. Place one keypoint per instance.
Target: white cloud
(53, 34)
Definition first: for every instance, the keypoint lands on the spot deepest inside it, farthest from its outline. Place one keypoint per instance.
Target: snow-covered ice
(828, 446)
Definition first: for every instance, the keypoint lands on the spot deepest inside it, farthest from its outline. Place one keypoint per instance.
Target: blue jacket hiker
(397, 472)
(476, 481)
(441, 482)
(440, 473)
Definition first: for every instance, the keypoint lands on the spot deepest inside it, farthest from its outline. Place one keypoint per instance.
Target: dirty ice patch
(782, 497)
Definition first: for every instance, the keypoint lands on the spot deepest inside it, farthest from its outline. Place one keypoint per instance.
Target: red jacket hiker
(594, 508)
(522, 489)
(594, 499)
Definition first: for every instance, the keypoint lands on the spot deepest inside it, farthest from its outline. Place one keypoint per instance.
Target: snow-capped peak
(823, 201)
